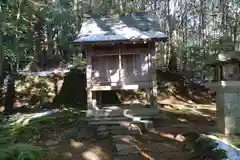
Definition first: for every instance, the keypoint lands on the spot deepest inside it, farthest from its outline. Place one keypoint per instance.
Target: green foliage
(195, 54)
(10, 150)
(21, 37)
(198, 56)
(215, 45)
(32, 131)
(53, 25)
(205, 148)
(79, 62)
(22, 151)
(10, 56)
(16, 139)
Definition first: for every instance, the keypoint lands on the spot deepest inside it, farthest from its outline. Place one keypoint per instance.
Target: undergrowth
(203, 148)
(206, 149)
(19, 140)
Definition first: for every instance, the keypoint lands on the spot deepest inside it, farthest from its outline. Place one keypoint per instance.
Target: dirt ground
(164, 142)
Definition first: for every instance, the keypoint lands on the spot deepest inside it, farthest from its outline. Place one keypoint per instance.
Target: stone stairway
(125, 111)
(122, 130)
(120, 125)
(116, 120)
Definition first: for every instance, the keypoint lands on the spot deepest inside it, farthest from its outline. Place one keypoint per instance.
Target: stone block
(125, 149)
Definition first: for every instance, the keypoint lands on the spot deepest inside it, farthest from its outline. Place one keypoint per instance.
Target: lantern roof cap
(226, 58)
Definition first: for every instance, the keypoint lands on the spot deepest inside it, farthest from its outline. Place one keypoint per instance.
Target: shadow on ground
(69, 134)
(165, 141)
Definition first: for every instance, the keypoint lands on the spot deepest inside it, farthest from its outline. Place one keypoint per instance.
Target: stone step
(116, 112)
(119, 118)
(125, 128)
(121, 126)
(124, 147)
(148, 121)
(123, 118)
(147, 124)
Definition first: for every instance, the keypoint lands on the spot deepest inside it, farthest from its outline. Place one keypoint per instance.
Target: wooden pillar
(99, 98)
(153, 95)
(120, 63)
(92, 103)
(91, 95)
(148, 95)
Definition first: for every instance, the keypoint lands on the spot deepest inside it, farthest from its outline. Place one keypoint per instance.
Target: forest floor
(186, 107)
(164, 142)
(71, 137)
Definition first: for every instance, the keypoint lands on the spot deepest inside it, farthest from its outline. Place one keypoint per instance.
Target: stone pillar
(148, 95)
(153, 97)
(92, 103)
(228, 89)
(232, 112)
(227, 104)
(228, 107)
(220, 112)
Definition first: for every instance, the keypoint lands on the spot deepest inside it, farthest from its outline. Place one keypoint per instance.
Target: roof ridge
(134, 25)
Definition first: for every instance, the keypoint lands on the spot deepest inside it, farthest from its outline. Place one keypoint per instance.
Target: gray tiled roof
(135, 26)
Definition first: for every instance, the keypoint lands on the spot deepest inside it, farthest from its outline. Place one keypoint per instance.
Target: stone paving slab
(125, 149)
(122, 139)
(124, 145)
(131, 157)
(118, 129)
(91, 140)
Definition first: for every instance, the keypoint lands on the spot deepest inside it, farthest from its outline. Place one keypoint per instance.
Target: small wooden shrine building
(120, 53)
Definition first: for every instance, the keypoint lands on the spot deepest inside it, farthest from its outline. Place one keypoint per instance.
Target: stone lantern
(226, 84)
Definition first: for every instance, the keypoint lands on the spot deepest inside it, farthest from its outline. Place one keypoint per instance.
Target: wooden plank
(124, 87)
(110, 42)
(89, 70)
(104, 50)
(124, 51)
(105, 69)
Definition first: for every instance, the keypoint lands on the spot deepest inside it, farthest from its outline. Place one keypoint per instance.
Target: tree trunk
(235, 30)
(184, 37)
(1, 68)
(90, 7)
(10, 94)
(78, 8)
(164, 50)
(121, 5)
(155, 5)
(2, 77)
(202, 26)
(38, 27)
(143, 3)
(2, 19)
(223, 18)
(172, 64)
(49, 40)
